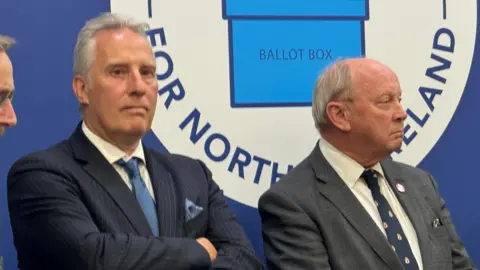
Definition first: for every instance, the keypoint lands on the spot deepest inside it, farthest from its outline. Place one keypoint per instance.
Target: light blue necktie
(141, 192)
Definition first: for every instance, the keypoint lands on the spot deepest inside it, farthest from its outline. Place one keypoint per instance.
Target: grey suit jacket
(311, 220)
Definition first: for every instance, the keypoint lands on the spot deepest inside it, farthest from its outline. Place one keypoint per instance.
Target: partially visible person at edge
(7, 87)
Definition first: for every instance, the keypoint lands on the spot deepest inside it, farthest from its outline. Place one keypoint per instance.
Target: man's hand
(207, 245)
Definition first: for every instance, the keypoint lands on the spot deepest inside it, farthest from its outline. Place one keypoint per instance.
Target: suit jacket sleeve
(291, 239)
(49, 218)
(460, 257)
(224, 232)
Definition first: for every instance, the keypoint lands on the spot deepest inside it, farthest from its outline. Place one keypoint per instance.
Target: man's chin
(396, 145)
(137, 129)
(137, 132)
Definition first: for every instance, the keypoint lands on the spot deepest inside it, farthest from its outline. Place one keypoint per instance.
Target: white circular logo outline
(433, 67)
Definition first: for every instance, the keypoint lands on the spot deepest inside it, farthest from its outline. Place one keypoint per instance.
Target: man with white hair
(7, 89)
(347, 205)
(103, 200)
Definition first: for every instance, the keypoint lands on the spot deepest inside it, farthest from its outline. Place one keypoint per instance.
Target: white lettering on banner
(433, 73)
(237, 158)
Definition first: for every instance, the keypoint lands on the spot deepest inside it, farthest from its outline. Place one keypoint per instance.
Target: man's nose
(7, 114)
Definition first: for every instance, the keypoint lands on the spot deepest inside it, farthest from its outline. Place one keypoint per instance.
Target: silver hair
(334, 83)
(84, 49)
(6, 43)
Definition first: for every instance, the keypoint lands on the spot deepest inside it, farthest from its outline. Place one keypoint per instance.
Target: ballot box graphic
(278, 47)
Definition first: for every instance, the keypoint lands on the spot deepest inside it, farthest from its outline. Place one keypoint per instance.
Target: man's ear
(80, 89)
(339, 114)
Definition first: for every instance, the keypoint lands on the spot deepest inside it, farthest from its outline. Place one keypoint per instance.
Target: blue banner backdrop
(47, 110)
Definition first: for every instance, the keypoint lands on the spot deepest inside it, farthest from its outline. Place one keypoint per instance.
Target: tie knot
(371, 178)
(131, 167)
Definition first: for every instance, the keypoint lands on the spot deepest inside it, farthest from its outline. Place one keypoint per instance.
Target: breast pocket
(440, 247)
(439, 233)
(439, 236)
(197, 226)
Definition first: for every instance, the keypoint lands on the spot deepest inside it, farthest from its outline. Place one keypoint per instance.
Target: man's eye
(148, 72)
(4, 95)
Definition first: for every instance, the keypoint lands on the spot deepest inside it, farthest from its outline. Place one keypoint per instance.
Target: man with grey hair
(103, 200)
(347, 205)
(7, 89)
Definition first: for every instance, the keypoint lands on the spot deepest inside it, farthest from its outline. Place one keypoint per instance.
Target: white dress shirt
(350, 172)
(112, 154)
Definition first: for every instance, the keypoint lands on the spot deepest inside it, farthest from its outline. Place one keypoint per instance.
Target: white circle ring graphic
(236, 77)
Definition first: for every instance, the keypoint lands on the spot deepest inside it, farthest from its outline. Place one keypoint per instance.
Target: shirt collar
(348, 169)
(112, 153)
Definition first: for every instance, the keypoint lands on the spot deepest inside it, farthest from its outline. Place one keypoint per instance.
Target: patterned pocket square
(191, 210)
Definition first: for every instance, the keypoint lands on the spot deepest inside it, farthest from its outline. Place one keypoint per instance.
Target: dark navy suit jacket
(70, 209)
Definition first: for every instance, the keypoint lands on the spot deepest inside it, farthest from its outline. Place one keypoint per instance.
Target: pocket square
(191, 210)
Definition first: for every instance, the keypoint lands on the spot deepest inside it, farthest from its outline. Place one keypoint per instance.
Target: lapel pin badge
(400, 187)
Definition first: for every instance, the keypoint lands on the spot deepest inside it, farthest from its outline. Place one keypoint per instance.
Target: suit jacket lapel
(103, 172)
(168, 195)
(409, 202)
(333, 187)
